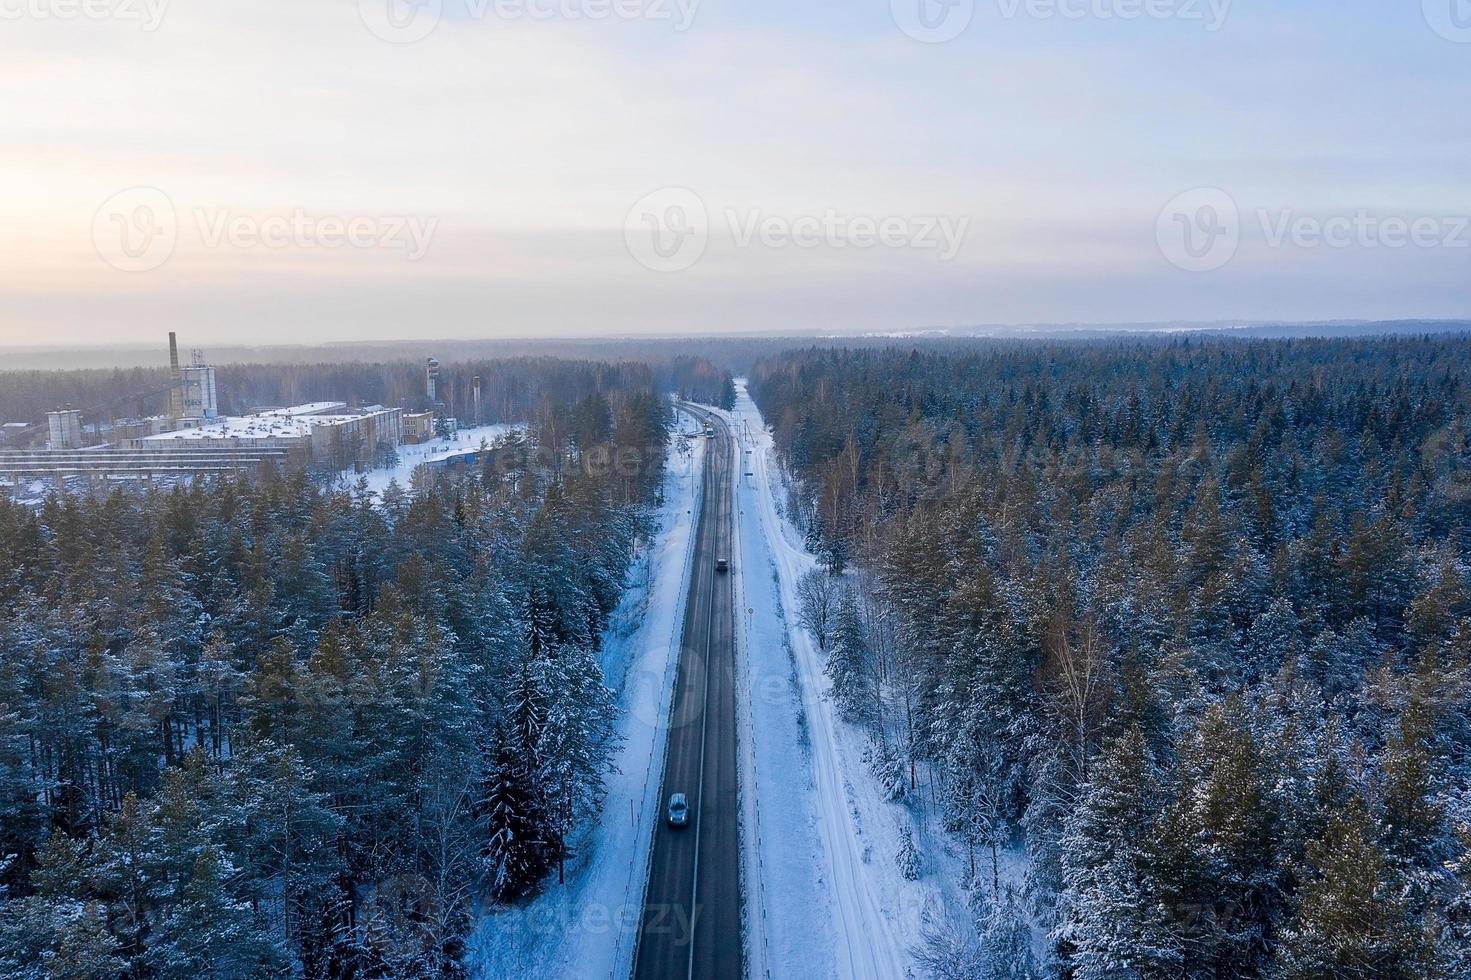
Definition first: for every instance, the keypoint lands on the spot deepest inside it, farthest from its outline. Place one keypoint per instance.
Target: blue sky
(198, 170)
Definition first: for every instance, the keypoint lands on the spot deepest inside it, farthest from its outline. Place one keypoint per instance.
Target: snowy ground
(831, 899)
(789, 922)
(27, 493)
(585, 930)
(409, 457)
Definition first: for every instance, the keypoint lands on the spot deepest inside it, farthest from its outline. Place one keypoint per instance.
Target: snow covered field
(409, 457)
(585, 929)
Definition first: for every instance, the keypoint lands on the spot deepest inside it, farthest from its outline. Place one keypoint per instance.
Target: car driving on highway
(679, 811)
(722, 564)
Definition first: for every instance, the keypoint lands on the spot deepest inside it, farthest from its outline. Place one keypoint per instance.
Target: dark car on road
(722, 564)
(679, 811)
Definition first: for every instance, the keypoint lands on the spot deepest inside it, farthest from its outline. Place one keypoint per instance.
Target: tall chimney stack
(478, 417)
(176, 392)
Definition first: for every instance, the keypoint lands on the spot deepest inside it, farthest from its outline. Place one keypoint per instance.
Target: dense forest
(1185, 621)
(513, 389)
(269, 728)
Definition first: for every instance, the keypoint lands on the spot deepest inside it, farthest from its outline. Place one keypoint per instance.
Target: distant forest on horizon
(737, 352)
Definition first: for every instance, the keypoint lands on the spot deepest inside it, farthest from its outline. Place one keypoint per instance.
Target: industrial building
(94, 466)
(322, 433)
(64, 429)
(124, 429)
(193, 439)
(193, 397)
(418, 427)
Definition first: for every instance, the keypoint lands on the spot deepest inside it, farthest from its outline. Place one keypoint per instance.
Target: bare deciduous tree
(817, 601)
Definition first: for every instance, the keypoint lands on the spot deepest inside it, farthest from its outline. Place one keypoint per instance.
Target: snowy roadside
(585, 929)
(788, 911)
(874, 915)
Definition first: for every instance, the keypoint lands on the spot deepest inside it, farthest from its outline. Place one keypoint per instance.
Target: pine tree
(907, 857)
(515, 848)
(576, 738)
(1113, 920)
(1273, 639)
(204, 931)
(1006, 941)
(849, 662)
(288, 838)
(1352, 919)
(46, 938)
(1219, 861)
(1455, 940)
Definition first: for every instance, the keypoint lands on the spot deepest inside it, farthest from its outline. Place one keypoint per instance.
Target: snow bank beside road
(872, 914)
(585, 929)
(789, 916)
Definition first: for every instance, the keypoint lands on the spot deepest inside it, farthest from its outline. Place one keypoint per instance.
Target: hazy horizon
(470, 168)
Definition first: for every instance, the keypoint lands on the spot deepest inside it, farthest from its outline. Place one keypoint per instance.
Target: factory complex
(195, 440)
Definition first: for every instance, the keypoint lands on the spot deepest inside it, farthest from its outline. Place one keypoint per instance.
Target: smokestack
(176, 408)
(477, 417)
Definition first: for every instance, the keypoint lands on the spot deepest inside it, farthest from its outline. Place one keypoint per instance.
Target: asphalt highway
(691, 924)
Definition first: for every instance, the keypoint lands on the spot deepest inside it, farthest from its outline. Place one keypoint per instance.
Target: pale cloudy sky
(303, 170)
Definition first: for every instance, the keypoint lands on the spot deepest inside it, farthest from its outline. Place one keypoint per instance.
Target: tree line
(513, 389)
(1185, 621)
(274, 728)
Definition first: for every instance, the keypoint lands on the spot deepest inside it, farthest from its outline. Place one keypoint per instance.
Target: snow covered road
(852, 878)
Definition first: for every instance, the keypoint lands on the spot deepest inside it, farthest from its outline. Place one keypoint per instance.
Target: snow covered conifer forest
(280, 728)
(1073, 659)
(1184, 623)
